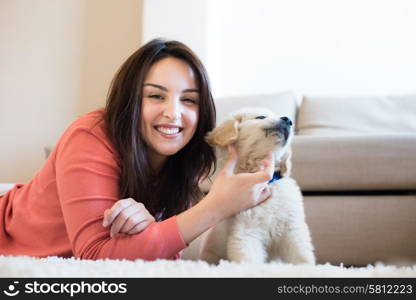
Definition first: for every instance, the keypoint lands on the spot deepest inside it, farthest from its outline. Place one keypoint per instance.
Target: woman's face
(169, 108)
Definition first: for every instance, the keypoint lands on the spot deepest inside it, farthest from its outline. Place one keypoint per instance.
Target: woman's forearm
(196, 220)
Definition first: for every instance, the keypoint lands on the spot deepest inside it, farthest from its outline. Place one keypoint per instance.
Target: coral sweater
(60, 211)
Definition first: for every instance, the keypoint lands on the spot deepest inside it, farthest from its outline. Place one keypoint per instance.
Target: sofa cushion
(363, 162)
(357, 115)
(283, 104)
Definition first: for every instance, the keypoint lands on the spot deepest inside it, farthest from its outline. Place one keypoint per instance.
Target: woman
(147, 145)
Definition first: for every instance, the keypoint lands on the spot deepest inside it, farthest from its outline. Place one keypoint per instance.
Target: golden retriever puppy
(274, 230)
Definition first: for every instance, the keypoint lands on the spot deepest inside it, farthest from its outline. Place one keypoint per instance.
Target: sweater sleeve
(87, 177)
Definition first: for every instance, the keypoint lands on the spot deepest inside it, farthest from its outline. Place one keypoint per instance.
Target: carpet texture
(23, 266)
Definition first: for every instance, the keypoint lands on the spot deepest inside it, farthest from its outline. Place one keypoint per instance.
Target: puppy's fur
(275, 229)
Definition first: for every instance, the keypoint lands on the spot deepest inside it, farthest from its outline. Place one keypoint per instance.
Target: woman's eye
(155, 96)
(190, 100)
(261, 117)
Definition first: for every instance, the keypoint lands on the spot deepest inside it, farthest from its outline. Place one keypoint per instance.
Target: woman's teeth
(166, 130)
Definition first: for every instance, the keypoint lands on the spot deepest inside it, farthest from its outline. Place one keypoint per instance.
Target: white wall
(182, 20)
(112, 32)
(57, 59)
(319, 46)
(40, 46)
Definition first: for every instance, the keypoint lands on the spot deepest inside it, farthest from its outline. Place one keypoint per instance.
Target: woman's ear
(223, 135)
(285, 164)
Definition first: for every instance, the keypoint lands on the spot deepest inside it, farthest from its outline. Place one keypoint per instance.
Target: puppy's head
(255, 132)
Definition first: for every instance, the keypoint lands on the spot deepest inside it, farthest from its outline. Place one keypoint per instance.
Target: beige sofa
(354, 158)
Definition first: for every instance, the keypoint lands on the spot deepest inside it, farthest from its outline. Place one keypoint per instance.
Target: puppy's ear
(285, 165)
(223, 135)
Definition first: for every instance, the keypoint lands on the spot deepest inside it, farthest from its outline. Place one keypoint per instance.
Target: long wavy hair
(175, 187)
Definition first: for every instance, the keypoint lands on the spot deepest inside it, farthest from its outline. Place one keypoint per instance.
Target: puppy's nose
(287, 121)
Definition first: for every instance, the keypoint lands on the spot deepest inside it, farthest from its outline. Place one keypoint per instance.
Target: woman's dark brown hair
(175, 187)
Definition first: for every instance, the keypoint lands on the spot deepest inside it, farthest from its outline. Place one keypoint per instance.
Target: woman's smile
(169, 131)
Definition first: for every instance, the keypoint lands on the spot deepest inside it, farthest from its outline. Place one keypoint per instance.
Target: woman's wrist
(198, 219)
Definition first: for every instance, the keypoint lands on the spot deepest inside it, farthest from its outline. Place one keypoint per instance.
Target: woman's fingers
(232, 161)
(142, 217)
(113, 212)
(267, 166)
(261, 176)
(126, 215)
(265, 194)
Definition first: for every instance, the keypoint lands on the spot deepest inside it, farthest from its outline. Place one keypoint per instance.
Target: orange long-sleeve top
(60, 211)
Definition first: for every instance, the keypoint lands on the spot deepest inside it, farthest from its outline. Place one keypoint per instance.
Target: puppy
(274, 230)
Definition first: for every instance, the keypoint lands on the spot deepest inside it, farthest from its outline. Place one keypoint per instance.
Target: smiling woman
(146, 148)
(162, 86)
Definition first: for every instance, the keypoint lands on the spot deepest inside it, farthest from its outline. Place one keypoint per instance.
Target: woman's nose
(173, 109)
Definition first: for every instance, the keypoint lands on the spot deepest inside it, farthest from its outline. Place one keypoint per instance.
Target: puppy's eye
(261, 117)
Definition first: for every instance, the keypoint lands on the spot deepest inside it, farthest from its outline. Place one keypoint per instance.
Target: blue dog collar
(276, 176)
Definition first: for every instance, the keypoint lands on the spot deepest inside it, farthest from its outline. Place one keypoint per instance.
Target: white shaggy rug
(24, 266)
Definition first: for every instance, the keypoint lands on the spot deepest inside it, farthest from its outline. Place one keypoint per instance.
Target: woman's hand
(127, 216)
(232, 193)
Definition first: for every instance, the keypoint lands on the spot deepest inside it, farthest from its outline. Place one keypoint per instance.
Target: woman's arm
(87, 177)
(127, 214)
(229, 194)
